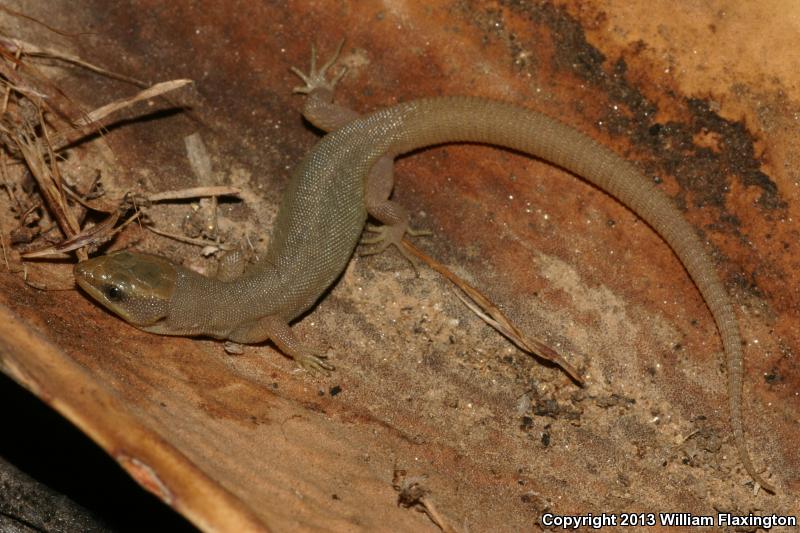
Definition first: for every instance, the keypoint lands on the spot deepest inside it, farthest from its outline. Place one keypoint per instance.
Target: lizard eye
(113, 293)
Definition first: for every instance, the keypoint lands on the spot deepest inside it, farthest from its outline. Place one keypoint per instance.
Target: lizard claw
(314, 363)
(316, 79)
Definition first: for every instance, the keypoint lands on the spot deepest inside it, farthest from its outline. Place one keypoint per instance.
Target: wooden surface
(704, 98)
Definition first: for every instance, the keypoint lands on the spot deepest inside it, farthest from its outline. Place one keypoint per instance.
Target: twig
(4, 179)
(158, 89)
(5, 255)
(29, 146)
(18, 14)
(411, 493)
(489, 313)
(93, 122)
(190, 240)
(198, 158)
(26, 80)
(20, 47)
(7, 94)
(435, 516)
(194, 192)
(101, 231)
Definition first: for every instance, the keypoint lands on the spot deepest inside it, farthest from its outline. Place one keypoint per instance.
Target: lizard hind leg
(393, 216)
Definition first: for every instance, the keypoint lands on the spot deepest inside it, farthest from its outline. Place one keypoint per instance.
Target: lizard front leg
(276, 329)
(320, 108)
(323, 113)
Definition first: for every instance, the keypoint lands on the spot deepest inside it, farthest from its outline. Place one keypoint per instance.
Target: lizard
(347, 177)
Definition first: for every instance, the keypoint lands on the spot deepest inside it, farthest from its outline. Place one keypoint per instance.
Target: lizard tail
(467, 119)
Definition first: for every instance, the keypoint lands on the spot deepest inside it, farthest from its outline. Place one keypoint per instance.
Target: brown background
(703, 96)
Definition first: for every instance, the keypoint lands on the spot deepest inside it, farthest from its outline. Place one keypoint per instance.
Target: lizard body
(347, 176)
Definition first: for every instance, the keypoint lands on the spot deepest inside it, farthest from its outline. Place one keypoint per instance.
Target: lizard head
(137, 287)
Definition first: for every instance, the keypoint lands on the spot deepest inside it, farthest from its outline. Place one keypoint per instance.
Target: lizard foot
(233, 348)
(231, 264)
(313, 362)
(391, 235)
(315, 79)
(276, 329)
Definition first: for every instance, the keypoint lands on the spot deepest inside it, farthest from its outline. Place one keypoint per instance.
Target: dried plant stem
(490, 314)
